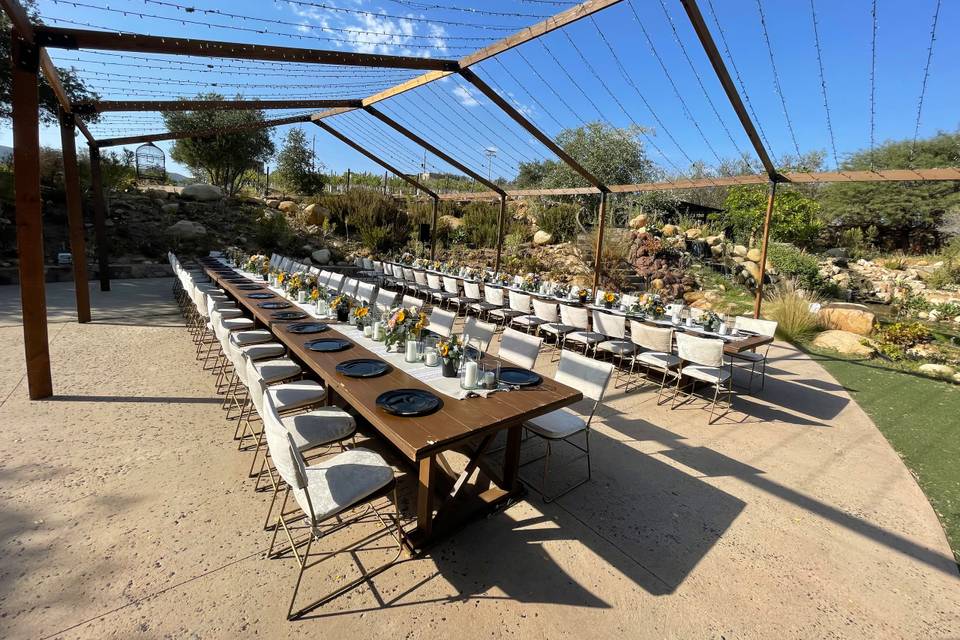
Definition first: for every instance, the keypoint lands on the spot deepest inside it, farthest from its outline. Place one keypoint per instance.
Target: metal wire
(375, 14)
(523, 88)
(873, 82)
(823, 84)
(776, 78)
(926, 77)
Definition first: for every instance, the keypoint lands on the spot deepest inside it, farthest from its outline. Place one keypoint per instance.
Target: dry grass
(790, 307)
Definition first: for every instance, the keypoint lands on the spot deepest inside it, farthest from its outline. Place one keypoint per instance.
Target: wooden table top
(416, 437)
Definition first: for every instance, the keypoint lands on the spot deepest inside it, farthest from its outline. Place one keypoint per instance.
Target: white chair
(350, 287)
(550, 313)
(578, 318)
(760, 327)
(654, 352)
(503, 315)
(324, 491)
(614, 327)
(386, 300)
(519, 348)
(701, 359)
(471, 295)
(365, 291)
(335, 282)
(436, 289)
(492, 299)
(411, 302)
(478, 334)
(526, 320)
(590, 377)
(441, 322)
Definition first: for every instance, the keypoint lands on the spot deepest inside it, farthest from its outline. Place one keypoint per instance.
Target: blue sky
(549, 81)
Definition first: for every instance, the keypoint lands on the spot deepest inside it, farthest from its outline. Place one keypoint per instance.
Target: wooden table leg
(511, 458)
(425, 496)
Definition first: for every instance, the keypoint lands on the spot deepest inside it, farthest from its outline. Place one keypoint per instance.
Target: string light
(776, 78)
(926, 77)
(523, 87)
(823, 84)
(382, 14)
(873, 80)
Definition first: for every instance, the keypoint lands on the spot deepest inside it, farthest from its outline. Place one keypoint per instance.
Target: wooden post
(433, 230)
(78, 244)
(348, 179)
(500, 224)
(99, 219)
(598, 249)
(26, 179)
(763, 248)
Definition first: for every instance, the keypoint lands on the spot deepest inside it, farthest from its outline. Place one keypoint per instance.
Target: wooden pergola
(29, 58)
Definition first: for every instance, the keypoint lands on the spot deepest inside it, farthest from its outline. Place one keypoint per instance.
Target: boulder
(288, 206)
(740, 251)
(754, 255)
(838, 252)
(451, 222)
(321, 256)
(201, 192)
(187, 229)
(693, 233)
(669, 230)
(936, 370)
(657, 284)
(273, 203)
(844, 342)
(315, 214)
(716, 250)
(542, 237)
(172, 207)
(714, 241)
(638, 221)
(753, 269)
(844, 316)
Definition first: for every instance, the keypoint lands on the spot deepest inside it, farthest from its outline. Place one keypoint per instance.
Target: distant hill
(5, 153)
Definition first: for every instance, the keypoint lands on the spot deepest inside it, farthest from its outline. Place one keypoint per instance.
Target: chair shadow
(134, 399)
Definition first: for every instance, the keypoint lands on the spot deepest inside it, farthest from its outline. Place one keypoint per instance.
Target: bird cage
(151, 163)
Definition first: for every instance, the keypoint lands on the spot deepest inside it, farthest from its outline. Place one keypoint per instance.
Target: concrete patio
(126, 512)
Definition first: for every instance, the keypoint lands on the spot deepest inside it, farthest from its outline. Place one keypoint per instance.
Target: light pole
(491, 153)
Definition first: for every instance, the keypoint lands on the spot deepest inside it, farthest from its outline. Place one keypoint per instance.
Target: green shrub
(903, 334)
(895, 263)
(480, 223)
(272, 233)
(513, 242)
(797, 265)
(558, 219)
(790, 307)
(946, 276)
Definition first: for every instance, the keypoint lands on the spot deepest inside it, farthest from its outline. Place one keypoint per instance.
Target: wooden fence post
(763, 249)
(78, 244)
(99, 218)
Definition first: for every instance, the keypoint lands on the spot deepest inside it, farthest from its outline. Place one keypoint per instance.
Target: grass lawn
(920, 417)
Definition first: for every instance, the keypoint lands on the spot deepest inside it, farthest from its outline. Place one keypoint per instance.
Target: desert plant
(895, 263)
(797, 265)
(272, 233)
(559, 219)
(790, 307)
(480, 221)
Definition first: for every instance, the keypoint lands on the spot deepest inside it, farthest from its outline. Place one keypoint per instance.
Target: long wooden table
(444, 502)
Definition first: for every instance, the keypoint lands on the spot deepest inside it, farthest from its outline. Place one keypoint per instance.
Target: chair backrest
(658, 339)
(586, 374)
(763, 327)
(477, 333)
(450, 285)
(410, 301)
(336, 279)
(471, 290)
(285, 264)
(706, 352)
(519, 302)
(280, 448)
(519, 348)
(441, 322)
(386, 299)
(493, 295)
(545, 310)
(598, 296)
(314, 271)
(350, 287)
(433, 281)
(574, 316)
(365, 291)
(408, 274)
(255, 385)
(420, 277)
(628, 300)
(610, 324)
(368, 264)
(323, 278)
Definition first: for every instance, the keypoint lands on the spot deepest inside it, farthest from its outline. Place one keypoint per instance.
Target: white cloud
(464, 96)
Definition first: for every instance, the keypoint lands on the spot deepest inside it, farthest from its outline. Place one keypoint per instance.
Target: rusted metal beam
(716, 60)
(26, 182)
(99, 218)
(104, 106)
(202, 133)
(598, 255)
(501, 223)
(758, 301)
(383, 163)
(137, 42)
(53, 79)
(532, 129)
(560, 20)
(433, 229)
(22, 27)
(78, 244)
(399, 128)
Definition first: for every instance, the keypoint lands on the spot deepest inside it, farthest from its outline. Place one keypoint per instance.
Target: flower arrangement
(450, 351)
(361, 315)
(610, 298)
(404, 324)
(317, 294)
(582, 295)
(256, 263)
(655, 306)
(282, 277)
(294, 283)
(341, 304)
(711, 321)
(561, 290)
(530, 282)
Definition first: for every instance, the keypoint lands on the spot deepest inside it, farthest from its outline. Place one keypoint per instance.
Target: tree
(223, 159)
(75, 88)
(901, 211)
(795, 219)
(295, 165)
